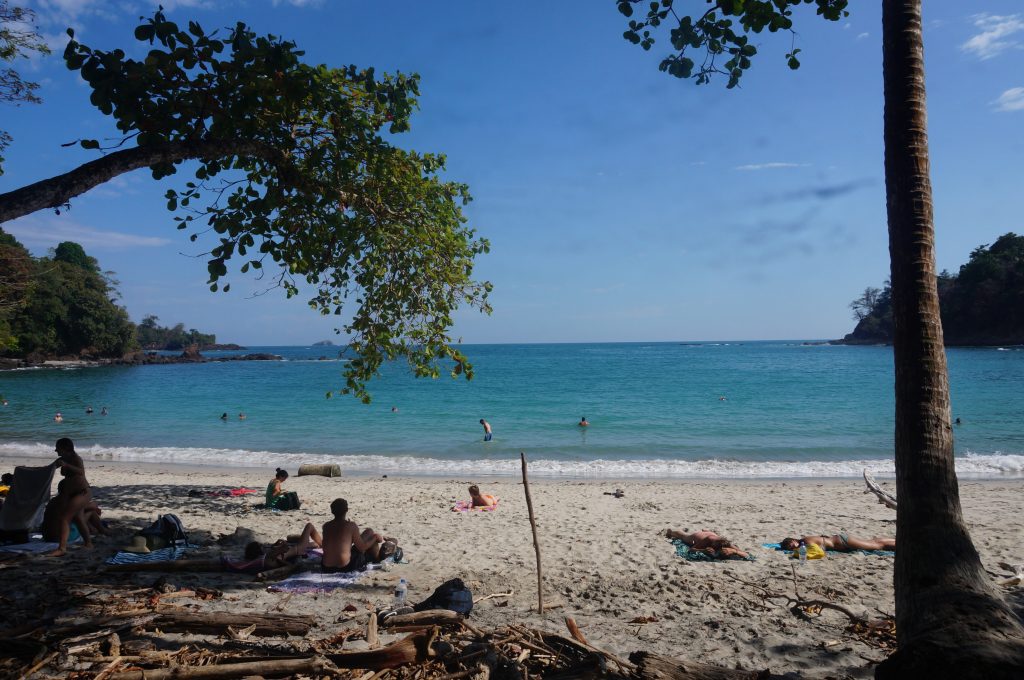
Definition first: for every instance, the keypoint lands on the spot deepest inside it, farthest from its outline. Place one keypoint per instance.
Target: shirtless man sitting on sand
(345, 547)
(840, 543)
(708, 542)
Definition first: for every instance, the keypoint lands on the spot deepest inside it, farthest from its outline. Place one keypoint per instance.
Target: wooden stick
(47, 659)
(536, 543)
(372, 641)
(429, 617)
(574, 630)
(278, 668)
(510, 593)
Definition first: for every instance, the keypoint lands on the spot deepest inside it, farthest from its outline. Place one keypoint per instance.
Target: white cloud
(771, 166)
(299, 3)
(994, 37)
(1011, 100)
(861, 36)
(46, 231)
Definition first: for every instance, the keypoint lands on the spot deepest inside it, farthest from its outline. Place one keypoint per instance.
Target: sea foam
(969, 466)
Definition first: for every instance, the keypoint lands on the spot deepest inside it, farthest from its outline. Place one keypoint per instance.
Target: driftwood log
(324, 470)
(275, 668)
(415, 648)
(652, 666)
(218, 623)
(430, 617)
(884, 497)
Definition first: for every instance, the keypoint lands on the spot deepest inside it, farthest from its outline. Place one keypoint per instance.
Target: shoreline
(606, 561)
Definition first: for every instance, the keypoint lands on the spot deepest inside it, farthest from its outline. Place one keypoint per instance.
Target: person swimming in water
(103, 411)
(58, 418)
(584, 422)
(224, 416)
(88, 410)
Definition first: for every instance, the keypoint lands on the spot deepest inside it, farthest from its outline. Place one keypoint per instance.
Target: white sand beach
(606, 561)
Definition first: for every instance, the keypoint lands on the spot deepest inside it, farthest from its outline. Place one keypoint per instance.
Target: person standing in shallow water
(584, 422)
(487, 430)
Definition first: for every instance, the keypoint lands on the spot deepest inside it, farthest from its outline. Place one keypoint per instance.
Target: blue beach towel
(167, 554)
(883, 553)
(688, 553)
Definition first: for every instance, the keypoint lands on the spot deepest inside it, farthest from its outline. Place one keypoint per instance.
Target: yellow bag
(814, 552)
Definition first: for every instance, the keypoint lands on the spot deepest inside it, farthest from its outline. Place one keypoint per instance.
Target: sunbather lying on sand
(281, 553)
(840, 543)
(481, 500)
(708, 542)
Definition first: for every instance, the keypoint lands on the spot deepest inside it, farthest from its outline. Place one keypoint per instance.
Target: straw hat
(138, 545)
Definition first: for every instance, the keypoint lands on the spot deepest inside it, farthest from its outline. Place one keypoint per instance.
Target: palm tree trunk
(950, 621)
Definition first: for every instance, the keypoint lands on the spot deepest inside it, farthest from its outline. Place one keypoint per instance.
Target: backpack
(453, 595)
(166, 530)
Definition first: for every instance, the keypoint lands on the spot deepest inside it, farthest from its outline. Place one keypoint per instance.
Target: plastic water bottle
(400, 591)
(803, 551)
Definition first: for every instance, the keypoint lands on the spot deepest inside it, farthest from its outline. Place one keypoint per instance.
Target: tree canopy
(292, 172)
(61, 306)
(983, 304)
(151, 335)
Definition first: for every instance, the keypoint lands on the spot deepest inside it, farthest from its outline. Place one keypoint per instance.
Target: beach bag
(166, 530)
(289, 500)
(452, 595)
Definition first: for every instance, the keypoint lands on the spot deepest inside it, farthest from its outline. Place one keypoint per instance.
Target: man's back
(338, 535)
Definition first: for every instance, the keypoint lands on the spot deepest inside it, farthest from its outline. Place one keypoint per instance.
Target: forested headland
(64, 305)
(982, 304)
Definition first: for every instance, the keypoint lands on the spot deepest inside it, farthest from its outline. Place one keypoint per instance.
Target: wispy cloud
(822, 192)
(771, 166)
(46, 231)
(1011, 100)
(995, 36)
(299, 3)
(861, 36)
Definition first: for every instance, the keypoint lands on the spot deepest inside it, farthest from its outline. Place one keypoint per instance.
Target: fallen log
(266, 669)
(430, 617)
(217, 623)
(415, 648)
(652, 666)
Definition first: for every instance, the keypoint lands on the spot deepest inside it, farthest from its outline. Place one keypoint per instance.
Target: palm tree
(950, 622)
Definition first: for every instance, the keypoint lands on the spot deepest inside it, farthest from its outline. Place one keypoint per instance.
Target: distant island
(152, 336)
(323, 343)
(981, 305)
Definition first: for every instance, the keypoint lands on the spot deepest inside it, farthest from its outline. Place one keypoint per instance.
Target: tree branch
(57, 191)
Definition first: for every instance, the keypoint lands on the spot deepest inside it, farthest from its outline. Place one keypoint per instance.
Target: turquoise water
(655, 410)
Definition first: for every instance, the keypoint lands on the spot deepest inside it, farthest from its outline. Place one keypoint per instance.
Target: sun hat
(138, 545)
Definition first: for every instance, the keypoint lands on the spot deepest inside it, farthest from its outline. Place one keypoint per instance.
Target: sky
(621, 204)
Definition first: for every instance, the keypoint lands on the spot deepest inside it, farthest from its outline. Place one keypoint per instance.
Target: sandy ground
(605, 559)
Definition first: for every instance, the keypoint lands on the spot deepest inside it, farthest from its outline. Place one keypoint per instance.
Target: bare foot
(59, 552)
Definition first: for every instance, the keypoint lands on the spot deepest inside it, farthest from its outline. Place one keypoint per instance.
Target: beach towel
(467, 506)
(167, 554)
(221, 493)
(23, 508)
(314, 581)
(883, 553)
(37, 545)
(688, 553)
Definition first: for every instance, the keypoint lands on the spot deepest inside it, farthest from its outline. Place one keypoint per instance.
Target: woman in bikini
(840, 542)
(708, 542)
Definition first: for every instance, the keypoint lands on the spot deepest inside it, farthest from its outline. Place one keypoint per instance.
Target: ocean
(657, 410)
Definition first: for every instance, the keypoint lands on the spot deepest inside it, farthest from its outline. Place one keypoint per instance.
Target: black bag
(452, 595)
(166, 530)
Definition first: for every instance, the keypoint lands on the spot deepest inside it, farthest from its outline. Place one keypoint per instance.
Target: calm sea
(656, 410)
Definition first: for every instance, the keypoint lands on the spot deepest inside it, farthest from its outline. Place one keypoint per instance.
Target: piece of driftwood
(536, 543)
(430, 617)
(324, 470)
(510, 593)
(277, 668)
(279, 573)
(167, 565)
(217, 623)
(652, 666)
(574, 630)
(372, 641)
(415, 648)
(884, 497)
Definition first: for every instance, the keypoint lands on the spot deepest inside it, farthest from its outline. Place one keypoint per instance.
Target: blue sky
(621, 204)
